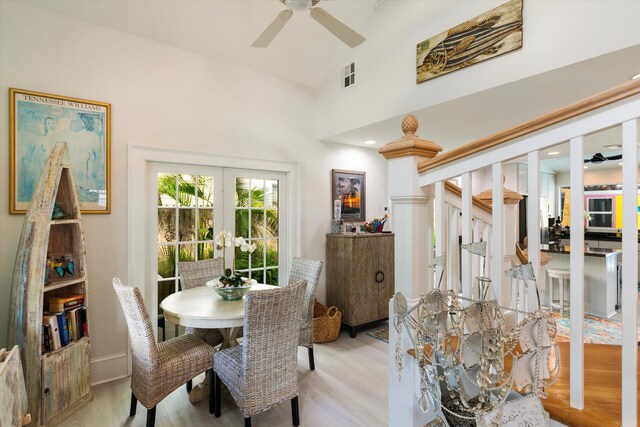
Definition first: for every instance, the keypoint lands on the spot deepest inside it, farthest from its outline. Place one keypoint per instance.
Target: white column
(467, 229)
(410, 207)
(533, 224)
(441, 230)
(630, 142)
(497, 241)
(576, 262)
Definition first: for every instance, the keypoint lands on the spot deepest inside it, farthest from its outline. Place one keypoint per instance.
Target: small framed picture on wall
(349, 188)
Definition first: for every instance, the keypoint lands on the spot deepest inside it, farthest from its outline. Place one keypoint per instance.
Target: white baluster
(576, 299)
(630, 142)
(533, 224)
(467, 229)
(497, 246)
(453, 251)
(441, 230)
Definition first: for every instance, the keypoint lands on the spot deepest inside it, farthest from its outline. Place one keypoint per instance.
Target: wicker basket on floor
(326, 323)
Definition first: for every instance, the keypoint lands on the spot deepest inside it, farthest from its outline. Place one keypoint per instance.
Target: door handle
(379, 276)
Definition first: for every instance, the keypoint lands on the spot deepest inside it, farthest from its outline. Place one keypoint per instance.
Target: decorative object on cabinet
(360, 276)
(336, 226)
(486, 36)
(38, 122)
(349, 188)
(376, 225)
(55, 356)
(13, 410)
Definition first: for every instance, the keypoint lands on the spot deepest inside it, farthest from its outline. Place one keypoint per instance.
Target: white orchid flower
(224, 239)
(239, 241)
(252, 247)
(245, 247)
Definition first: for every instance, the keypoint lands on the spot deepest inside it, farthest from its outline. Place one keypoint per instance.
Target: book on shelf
(70, 323)
(46, 340)
(63, 327)
(51, 320)
(67, 302)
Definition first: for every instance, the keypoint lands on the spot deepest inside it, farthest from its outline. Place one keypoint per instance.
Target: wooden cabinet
(51, 263)
(360, 276)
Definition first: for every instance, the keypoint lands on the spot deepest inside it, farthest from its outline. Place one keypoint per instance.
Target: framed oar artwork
(484, 37)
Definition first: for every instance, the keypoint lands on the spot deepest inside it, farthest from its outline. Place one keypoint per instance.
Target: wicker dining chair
(262, 372)
(192, 275)
(309, 270)
(159, 369)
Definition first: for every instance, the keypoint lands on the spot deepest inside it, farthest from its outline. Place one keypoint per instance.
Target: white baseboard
(109, 368)
(554, 423)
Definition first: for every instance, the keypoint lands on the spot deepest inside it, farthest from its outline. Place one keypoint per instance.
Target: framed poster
(38, 122)
(349, 188)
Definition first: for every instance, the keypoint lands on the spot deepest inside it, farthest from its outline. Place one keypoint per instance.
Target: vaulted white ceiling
(304, 52)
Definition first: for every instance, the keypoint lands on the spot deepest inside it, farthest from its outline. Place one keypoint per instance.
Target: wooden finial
(409, 124)
(410, 144)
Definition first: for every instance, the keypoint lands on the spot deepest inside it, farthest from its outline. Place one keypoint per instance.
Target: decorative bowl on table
(230, 293)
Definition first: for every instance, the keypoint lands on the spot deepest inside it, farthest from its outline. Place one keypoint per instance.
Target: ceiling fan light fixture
(613, 147)
(299, 5)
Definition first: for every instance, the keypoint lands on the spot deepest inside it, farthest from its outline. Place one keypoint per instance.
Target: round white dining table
(202, 307)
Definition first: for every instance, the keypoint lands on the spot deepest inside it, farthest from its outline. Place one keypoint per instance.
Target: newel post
(412, 209)
(413, 225)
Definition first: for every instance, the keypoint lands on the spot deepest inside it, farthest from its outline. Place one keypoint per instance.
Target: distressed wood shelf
(57, 382)
(63, 284)
(65, 221)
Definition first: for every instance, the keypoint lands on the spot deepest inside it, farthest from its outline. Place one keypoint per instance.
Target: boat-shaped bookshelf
(50, 290)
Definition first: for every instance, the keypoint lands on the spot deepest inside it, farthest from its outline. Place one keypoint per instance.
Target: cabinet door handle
(379, 276)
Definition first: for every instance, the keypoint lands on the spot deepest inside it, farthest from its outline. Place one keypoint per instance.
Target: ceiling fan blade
(587, 161)
(616, 157)
(273, 29)
(337, 28)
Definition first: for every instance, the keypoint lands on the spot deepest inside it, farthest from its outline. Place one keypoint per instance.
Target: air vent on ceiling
(348, 78)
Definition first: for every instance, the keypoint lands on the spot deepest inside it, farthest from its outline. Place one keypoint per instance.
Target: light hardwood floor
(348, 388)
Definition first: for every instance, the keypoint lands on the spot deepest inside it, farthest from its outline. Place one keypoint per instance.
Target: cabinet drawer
(65, 378)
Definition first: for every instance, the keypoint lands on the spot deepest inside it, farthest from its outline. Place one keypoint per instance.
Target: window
(601, 212)
(257, 218)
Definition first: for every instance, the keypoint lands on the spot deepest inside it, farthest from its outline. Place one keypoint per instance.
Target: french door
(194, 204)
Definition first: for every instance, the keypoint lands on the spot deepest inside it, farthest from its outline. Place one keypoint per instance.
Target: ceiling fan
(599, 158)
(337, 28)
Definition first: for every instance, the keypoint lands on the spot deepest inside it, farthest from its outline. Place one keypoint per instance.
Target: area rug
(381, 333)
(596, 331)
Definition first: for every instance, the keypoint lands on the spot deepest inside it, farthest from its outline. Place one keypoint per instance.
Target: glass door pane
(257, 216)
(188, 220)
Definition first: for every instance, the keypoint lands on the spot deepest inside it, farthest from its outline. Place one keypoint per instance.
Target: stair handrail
(592, 103)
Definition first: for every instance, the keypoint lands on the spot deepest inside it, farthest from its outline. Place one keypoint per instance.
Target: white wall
(162, 96)
(555, 34)
(593, 177)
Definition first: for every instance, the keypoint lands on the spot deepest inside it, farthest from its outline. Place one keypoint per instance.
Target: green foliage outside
(185, 195)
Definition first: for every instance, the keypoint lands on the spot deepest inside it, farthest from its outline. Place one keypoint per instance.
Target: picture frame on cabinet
(40, 120)
(349, 187)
